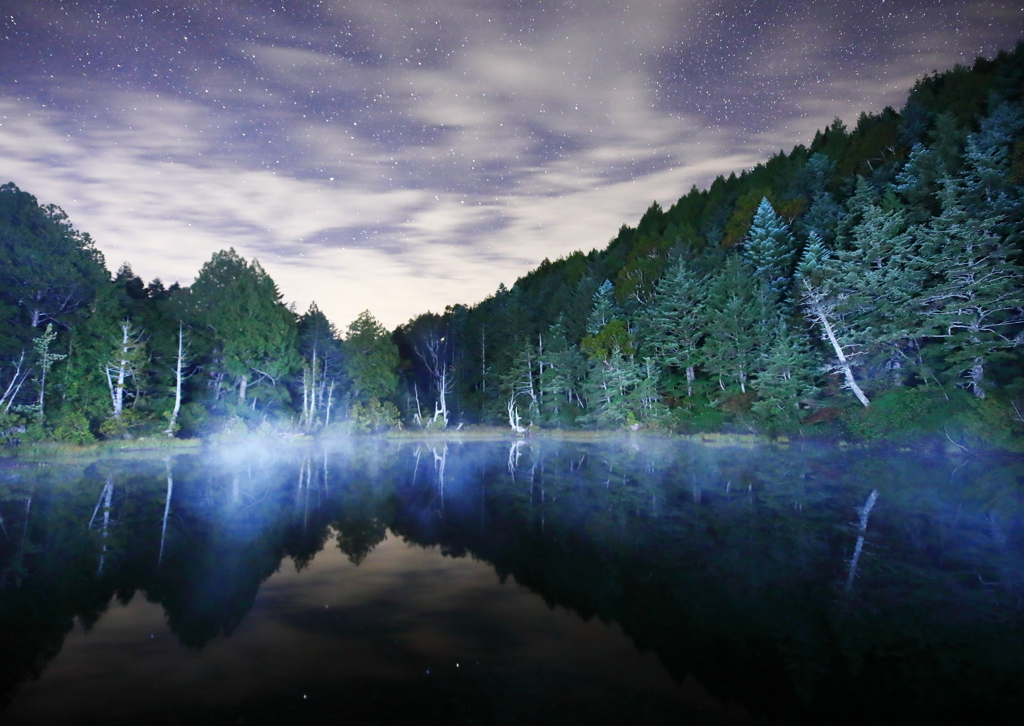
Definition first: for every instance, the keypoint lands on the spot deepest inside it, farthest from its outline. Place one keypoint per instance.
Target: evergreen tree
(786, 377)
(740, 309)
(669, 329)
(48, 270)
(371, 359)
(564, 369)
(603, 308)
(612, 371)
(820, 297)
(822, 218)
(607, 389)
(814, 178)
(976, 297)
(92, 346)
(520, 385)
(771, 249)
(992, 180)
(875, 275)
(919, 180)
(251, 332)
(646, 404)
(323, 366)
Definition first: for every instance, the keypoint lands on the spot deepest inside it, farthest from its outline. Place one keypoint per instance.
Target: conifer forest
(867, 286)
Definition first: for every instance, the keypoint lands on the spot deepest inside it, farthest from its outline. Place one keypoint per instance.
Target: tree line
(86, 354)
(868, 283)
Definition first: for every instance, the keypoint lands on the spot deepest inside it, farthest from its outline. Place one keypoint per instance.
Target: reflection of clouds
(403, 611)
(364, 150)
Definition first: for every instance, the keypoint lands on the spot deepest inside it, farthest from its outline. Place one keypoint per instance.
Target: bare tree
(821, 311)
(14, 385)
(434, 354)
(124, 366)
(46, 361)
(179, 366)
(513, 415)
(167, 510)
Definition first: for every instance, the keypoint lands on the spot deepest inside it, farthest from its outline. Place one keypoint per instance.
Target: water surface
(642, 581)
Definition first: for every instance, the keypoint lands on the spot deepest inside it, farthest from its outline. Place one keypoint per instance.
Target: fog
(780, 582)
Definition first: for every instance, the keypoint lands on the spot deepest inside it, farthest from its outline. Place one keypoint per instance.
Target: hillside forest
(869, 286)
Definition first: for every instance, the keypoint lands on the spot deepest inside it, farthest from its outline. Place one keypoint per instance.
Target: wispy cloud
(405, 157)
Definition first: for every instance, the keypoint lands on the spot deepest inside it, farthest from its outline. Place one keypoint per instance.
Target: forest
(869, 286)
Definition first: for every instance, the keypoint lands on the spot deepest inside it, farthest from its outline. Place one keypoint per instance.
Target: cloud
(404, 157)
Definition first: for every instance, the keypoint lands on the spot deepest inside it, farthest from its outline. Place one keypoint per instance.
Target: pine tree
(920, 179)
(608, 386)
(251, 331)
(521, 383)
(822, 218)
(669, 328)
(876, 273)
(371, 359)
(787, 375)
(603, 308)
(561, 378)
(976, 297)
(990, 184)
(48, 270)
(645, 398)
(771, 249)
(739, 310)
(820, 297)
(323, 368)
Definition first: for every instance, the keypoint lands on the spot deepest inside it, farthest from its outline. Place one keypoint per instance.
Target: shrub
(374, 417)
(72, 427)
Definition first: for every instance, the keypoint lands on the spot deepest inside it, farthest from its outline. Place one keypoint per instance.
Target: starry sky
(402, 156)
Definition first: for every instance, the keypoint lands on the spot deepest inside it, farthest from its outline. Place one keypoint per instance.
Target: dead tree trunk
(819, 311)
(167, 511)
(861, 531)
(179, 367)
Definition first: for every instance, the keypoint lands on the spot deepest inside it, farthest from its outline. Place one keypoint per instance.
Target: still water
(643, 581)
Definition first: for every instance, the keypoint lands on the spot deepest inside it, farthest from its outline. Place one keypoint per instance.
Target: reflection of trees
(729, 564)
(48, 562)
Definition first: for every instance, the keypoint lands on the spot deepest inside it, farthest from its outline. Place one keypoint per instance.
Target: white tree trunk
(305, 397)
(820, 315)
(513, 416)
(122, 369)
(330, 400)
(14, 386)
(167, 511)
(312, 390)
(178, 367)
(862, 530)
(106, 496)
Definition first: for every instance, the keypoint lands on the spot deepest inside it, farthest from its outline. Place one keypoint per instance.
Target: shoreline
(51, 451)
(40, 452)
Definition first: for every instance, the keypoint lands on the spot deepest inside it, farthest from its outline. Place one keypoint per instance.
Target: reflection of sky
(405, 156)
(405, 610)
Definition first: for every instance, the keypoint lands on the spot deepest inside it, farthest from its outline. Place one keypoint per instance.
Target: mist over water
(508, 582)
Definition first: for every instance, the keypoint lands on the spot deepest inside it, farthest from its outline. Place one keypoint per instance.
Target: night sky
(402, 156)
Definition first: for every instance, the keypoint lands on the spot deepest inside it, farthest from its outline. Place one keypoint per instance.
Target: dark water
(641, 582)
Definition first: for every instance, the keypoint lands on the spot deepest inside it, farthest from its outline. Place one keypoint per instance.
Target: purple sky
(402, 156)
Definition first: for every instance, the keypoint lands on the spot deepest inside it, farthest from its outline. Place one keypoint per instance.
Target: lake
(634, 581)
